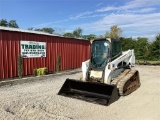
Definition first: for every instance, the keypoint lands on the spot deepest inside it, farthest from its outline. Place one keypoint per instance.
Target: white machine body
(112, 69)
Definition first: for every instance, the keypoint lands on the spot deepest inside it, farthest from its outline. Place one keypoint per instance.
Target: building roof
(31, 31)
(25, 31)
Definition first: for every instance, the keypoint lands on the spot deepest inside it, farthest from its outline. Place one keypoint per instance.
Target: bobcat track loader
(107, 75)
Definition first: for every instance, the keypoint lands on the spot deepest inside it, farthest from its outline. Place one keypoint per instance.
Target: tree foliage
(31, 28)
(141, 48)
(77, 33)
(11, 23)
(89, 37)
(46, 30)
(115, 32)
(4, 23)
(155, 48)
(68, 34)
(101, 36)
(128, 43)
(144, 50)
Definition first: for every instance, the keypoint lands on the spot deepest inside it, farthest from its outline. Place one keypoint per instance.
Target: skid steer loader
(107, 75)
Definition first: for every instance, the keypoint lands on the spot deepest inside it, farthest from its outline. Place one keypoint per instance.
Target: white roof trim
(31, 31)
(26, 31)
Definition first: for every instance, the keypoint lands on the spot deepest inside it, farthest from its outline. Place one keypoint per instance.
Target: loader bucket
(90, 91)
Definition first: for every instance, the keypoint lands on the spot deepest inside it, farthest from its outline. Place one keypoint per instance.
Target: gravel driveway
(39, 101)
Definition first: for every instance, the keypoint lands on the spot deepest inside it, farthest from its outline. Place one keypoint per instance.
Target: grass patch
(148, 62)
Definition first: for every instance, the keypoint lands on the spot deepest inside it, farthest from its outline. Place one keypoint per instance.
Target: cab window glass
(116, 49)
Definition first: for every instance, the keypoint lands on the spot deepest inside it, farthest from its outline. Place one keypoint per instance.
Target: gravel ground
(39, 101)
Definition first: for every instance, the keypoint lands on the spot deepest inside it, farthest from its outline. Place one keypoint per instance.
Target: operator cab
(104, 51)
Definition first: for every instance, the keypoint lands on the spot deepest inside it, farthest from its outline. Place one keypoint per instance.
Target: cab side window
(116, 49)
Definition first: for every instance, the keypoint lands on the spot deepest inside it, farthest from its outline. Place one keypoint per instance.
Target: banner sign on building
(31, 49)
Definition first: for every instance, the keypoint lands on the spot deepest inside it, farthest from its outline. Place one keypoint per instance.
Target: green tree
(115, 32)
(4, 23)
(107, 35)
(147, 52)
(128, 43)
(68, 34)
(89, 37)
(31, 28)
(38, 29)
(46, 30)
(155, 48)
(13, 24)
(100, 36)
(77, 33)
(141, 48)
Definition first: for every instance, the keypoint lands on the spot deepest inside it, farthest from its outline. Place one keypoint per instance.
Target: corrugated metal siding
(73, 52)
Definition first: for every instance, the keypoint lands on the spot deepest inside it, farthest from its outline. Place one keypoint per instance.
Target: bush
(58, 63)
(20, 66)
(40, 71)
(35, 72)
(45, 71)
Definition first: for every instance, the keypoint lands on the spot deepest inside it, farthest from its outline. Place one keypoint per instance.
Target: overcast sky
(135, 17)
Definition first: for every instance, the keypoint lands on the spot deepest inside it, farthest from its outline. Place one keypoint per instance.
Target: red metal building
(72, 51)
